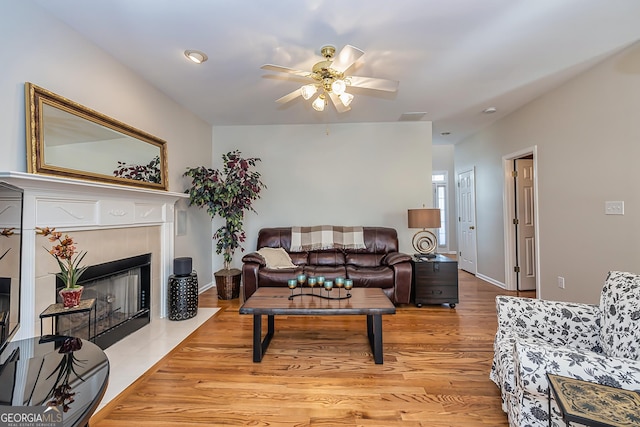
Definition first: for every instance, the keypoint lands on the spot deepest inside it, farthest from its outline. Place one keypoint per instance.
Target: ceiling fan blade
(287, 70)
(345, 59)
(338, 104)
(374, 83)
(289, 97)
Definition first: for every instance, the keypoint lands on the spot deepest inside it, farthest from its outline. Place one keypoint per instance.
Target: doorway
(522, 271)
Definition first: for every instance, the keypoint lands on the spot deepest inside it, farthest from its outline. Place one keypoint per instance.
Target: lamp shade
(318, 103)
(308, 91)
(424, 218)
(346, 98)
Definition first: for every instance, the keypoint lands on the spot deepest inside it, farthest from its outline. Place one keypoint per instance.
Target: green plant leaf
(227, 194)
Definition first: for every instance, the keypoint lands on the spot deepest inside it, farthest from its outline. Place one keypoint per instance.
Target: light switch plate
(614, 208)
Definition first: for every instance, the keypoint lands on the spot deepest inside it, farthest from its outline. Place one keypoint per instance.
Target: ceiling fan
(328, 79)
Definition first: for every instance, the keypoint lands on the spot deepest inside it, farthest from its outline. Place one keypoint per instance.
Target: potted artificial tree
(227, 193)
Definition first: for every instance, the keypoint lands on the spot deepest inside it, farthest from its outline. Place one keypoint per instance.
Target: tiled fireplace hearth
(110, 222)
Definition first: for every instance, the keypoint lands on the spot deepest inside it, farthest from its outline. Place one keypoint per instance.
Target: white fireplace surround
(76, 205)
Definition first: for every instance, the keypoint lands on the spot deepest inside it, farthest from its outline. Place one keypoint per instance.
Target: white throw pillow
(276, 258)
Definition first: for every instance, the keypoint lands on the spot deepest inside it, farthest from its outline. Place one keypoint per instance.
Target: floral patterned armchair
(594, 343)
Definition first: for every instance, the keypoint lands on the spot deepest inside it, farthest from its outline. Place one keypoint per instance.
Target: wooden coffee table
(270, 302)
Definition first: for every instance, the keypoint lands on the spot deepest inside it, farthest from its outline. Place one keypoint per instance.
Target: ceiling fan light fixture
(196, 56)
(346, 98)
(318, 103)
(308, 91)
(338, 87)
(327, 79)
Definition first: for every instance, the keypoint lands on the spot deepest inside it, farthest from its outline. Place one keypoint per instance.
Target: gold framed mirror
(67, 139)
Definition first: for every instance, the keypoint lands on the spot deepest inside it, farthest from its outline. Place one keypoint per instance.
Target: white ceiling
(453, 58)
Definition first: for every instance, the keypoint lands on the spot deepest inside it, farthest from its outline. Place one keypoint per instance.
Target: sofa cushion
(620, 307)
(299, 258)
(370, 277)
(276, 258)
(364, 259)
(380, 240)
(330, 272)
(326, 258)
(277, 277)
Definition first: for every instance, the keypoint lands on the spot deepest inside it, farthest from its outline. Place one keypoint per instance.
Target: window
(440, 201)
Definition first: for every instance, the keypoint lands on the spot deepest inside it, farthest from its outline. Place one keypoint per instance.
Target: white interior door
(525, 225)
(467, 221)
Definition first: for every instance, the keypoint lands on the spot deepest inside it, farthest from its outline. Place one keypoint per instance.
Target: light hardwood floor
(318, 371)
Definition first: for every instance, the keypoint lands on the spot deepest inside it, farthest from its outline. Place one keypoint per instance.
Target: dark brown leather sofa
(380, 265)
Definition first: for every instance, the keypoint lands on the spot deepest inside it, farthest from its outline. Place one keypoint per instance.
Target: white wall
(588, 137)
(37, 48)
(348, 174)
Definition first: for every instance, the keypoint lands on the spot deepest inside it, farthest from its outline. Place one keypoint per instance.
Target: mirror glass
(68, 139)
(10, 260)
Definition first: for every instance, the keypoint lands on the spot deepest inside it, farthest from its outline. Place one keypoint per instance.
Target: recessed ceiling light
(490, 110)
(196, 56)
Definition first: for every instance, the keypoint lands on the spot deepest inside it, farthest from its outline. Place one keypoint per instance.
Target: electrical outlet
(561, 282)
(614, 208)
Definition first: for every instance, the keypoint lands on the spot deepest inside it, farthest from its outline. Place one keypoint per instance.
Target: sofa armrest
(254, 257)
(393, 258)
(251, 264)
(402, 271)
(555, 322)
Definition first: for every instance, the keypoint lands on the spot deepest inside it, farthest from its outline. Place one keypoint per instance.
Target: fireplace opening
(122, 292)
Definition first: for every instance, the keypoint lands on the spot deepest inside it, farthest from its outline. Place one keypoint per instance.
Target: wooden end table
(371, 302)
(593, 404)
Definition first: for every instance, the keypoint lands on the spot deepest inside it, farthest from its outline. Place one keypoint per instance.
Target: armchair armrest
(534, 359)
(555, 322)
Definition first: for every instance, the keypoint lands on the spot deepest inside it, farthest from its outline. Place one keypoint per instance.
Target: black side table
(435, 281)
(56, 310)
(593, 404)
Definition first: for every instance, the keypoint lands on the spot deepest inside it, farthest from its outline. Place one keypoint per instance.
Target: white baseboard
(206, 287)
(492, 281)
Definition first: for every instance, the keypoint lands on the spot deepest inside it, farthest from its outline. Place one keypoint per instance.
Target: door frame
(510, 258)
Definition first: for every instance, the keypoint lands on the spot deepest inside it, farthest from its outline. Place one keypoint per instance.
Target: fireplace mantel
(70, 204)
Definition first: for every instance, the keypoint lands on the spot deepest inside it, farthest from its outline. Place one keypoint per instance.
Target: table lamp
(424, 241)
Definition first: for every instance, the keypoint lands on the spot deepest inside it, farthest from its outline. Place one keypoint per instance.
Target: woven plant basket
(228, 283)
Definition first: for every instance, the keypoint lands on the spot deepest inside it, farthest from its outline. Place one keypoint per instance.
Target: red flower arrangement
(65, 253)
